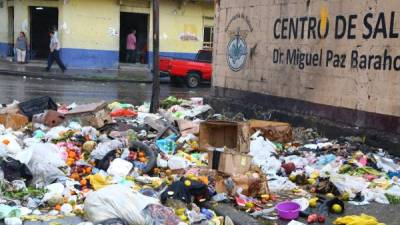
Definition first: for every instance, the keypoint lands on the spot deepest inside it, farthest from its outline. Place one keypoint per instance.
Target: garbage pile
(116, 163)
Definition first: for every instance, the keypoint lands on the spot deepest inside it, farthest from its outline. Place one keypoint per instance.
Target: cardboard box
(95, 114)
(220, 134)
(274, 131)
(14, 121)
(229, 162)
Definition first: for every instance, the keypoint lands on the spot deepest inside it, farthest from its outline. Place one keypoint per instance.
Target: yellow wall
(175, 21)
(94, 24)
(90, 24)
(21, 13)
(4, 24)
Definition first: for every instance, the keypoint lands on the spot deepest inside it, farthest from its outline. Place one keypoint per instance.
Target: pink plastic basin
(288, 210)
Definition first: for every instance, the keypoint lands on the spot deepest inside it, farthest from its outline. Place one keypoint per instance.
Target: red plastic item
(123, 113)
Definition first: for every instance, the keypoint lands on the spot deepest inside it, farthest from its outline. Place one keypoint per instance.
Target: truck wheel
(193, 80)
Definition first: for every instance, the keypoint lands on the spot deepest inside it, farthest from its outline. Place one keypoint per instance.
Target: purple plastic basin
(288, 210)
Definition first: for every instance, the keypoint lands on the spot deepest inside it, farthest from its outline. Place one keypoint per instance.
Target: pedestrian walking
(131, 47)
(21, 47)
(54, 53)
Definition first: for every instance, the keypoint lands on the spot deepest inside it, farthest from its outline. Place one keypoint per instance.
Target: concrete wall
(4, 46)
(336, 86)
(180, 21)
(89, 33)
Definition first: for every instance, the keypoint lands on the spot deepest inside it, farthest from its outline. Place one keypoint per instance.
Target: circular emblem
(237, 53)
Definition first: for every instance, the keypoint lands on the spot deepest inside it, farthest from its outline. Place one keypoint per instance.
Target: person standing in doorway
(131, 47)
(54, 53)
(21, 46)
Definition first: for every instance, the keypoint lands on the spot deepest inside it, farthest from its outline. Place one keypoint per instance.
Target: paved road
(21, 89)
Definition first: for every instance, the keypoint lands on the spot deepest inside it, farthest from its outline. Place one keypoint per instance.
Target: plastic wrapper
(117, 201)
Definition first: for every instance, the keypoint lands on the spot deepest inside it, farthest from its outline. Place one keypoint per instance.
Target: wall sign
(237, 51)
(370, 26)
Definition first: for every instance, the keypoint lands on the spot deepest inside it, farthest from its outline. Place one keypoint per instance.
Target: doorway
(11, 37)
(42, 20)
(140, 23)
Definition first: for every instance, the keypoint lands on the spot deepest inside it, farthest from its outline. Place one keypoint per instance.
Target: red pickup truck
(191, 71)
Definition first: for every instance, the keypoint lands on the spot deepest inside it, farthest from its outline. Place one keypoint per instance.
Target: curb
(71, 77)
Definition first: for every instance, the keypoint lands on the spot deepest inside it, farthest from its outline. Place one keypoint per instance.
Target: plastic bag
(167, 145)
(54, 193)
(9, 211)
(262, 151)
(348, 184)
(98, 181)
(105, 147)
(117, 201)
(55, 133)
(176, 163)
(119, 168)
(13, 221)
(11, 144)
(386, 164)
(45, 162)
(14, 170)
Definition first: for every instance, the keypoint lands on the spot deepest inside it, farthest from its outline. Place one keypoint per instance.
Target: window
(208, 37)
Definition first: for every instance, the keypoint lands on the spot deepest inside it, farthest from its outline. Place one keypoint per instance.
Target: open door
(42, 21)
(140, 23)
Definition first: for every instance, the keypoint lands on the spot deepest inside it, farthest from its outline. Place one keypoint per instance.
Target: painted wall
(89, 30)
(21, 14)
(181, 27)
(4, 46)
(89, 33)
(327, 74)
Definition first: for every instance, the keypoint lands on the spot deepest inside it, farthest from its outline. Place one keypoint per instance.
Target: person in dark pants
(54, 53)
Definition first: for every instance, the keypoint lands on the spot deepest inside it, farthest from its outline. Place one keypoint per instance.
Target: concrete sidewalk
(126, 73)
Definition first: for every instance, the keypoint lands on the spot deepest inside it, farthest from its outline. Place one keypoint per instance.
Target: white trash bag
(117, 201)
(45, 161)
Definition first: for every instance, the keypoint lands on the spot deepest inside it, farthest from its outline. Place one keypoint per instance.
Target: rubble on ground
(115, 163)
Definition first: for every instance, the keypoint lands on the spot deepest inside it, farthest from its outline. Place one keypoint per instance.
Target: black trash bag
(179, 191)
(105, 162)
(15, 170)
(113, 222)
(37, 106)
(150, 154)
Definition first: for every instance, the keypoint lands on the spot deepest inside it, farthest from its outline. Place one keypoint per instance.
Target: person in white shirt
(54, 53)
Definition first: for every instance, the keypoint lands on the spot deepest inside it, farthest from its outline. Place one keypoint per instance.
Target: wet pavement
(66, 91)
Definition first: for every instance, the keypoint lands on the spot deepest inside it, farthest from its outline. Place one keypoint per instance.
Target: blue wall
(5, 49)
(87, 58)
(101, 59)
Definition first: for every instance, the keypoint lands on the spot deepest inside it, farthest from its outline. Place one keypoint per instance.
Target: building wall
(331, 88)
(4, 45)
(178, 22)
(89, 33)
(89, 30)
